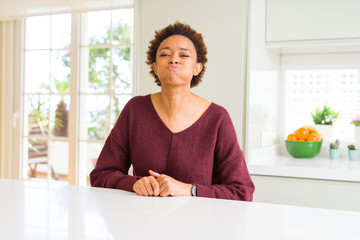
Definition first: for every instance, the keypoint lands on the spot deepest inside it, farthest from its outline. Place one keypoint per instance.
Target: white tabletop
(34, 210)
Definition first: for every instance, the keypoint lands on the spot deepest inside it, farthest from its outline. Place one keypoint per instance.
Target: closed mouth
(173, 67)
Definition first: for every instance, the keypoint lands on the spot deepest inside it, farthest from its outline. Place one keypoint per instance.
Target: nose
(174, 60)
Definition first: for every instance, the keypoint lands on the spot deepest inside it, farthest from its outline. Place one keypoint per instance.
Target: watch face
(193, 190)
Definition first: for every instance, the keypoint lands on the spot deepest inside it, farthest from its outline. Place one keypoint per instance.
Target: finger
(137, 189)
(165, 192)
(148, 186)
(163, 179)
(155, 186)
(143, 188)
(154, 174)
(164, 189)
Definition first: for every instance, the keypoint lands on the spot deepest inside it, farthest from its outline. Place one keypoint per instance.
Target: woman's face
(176, 61)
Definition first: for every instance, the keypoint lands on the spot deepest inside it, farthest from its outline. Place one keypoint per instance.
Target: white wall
(264, 69)
(223, 25)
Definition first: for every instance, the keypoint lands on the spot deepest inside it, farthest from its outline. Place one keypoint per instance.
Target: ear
(197, 68)
(154, 67)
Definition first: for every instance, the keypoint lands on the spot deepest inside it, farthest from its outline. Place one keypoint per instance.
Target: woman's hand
(169, 186)
(147, 186)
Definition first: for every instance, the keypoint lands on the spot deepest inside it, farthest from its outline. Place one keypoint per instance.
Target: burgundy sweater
(206, 154)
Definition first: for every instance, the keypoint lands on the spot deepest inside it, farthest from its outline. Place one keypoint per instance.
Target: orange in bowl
(302, 133)
(291, 137)
(313, 137)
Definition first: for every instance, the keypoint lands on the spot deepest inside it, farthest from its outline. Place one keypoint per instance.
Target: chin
(173, 82)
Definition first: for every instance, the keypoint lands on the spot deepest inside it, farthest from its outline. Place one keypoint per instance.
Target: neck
(175, 100)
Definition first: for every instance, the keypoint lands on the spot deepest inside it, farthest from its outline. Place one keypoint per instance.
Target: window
(105, 83)
(310, 81)
(309, 89)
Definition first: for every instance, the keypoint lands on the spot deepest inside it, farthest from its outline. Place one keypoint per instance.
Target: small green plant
(352, 147)
(335, 145)
(324, 116)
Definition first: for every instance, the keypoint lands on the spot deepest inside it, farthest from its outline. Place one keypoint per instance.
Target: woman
(178, 143)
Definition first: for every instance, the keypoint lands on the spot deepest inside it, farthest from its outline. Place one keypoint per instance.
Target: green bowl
(303, 149)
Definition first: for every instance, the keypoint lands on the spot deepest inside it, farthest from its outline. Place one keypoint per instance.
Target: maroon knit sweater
(206, 154)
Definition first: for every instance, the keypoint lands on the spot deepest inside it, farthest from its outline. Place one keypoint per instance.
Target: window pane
(60, 31)
(37, 113)
(37, 32)
(44, 160)
(96, 28)
(37, 71)
(37, 156)
(59, 115)
(89, 153)
(122, 72)
(60, 71)
(59, 159)
(118, 103)
(94, 120)
(122, 25)
(98, 62)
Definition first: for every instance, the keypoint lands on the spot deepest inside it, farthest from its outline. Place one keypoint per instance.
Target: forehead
(177, 41)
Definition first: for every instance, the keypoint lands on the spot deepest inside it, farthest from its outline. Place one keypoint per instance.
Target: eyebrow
(184, 49)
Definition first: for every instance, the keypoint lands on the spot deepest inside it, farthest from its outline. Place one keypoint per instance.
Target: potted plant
(61, 114)
(353, 152)
(334, 150)
(323, 119)
(356, 122)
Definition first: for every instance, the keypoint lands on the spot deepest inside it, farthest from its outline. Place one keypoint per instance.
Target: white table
(35, 210)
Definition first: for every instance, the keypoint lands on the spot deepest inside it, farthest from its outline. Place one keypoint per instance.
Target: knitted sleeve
(111, 170)
(231, 178)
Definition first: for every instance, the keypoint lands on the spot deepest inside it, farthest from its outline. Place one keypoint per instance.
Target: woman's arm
(231, 179)
(111, 170)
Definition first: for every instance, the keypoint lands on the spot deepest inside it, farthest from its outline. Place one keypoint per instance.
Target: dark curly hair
(178, 28)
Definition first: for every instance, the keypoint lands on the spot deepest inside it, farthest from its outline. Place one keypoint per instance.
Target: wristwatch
(193, 190)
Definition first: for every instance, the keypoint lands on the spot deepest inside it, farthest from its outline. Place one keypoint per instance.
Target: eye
(164, 55)
(184, 55)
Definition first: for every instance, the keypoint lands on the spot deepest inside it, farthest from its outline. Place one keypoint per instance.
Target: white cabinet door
(298, 20)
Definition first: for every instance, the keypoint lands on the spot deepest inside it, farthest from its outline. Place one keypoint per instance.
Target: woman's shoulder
(218, 110)
(138, 101)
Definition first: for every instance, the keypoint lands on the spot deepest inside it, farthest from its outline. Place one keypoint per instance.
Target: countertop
(269, 162)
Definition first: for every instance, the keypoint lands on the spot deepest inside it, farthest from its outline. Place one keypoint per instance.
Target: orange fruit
(302, 133)
(313, 137)
(291, 137)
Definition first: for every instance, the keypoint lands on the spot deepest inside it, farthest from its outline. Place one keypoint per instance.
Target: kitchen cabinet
(307, 192)
(319, 24)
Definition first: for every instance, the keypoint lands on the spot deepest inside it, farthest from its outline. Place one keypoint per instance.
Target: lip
(173, 67)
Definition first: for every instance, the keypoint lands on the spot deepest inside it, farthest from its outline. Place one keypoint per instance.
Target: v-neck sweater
(206, 154)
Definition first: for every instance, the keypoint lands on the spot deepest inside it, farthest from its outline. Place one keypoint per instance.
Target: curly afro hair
(178, 28)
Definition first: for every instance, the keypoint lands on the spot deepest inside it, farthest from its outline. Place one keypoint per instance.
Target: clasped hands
(161, 185)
